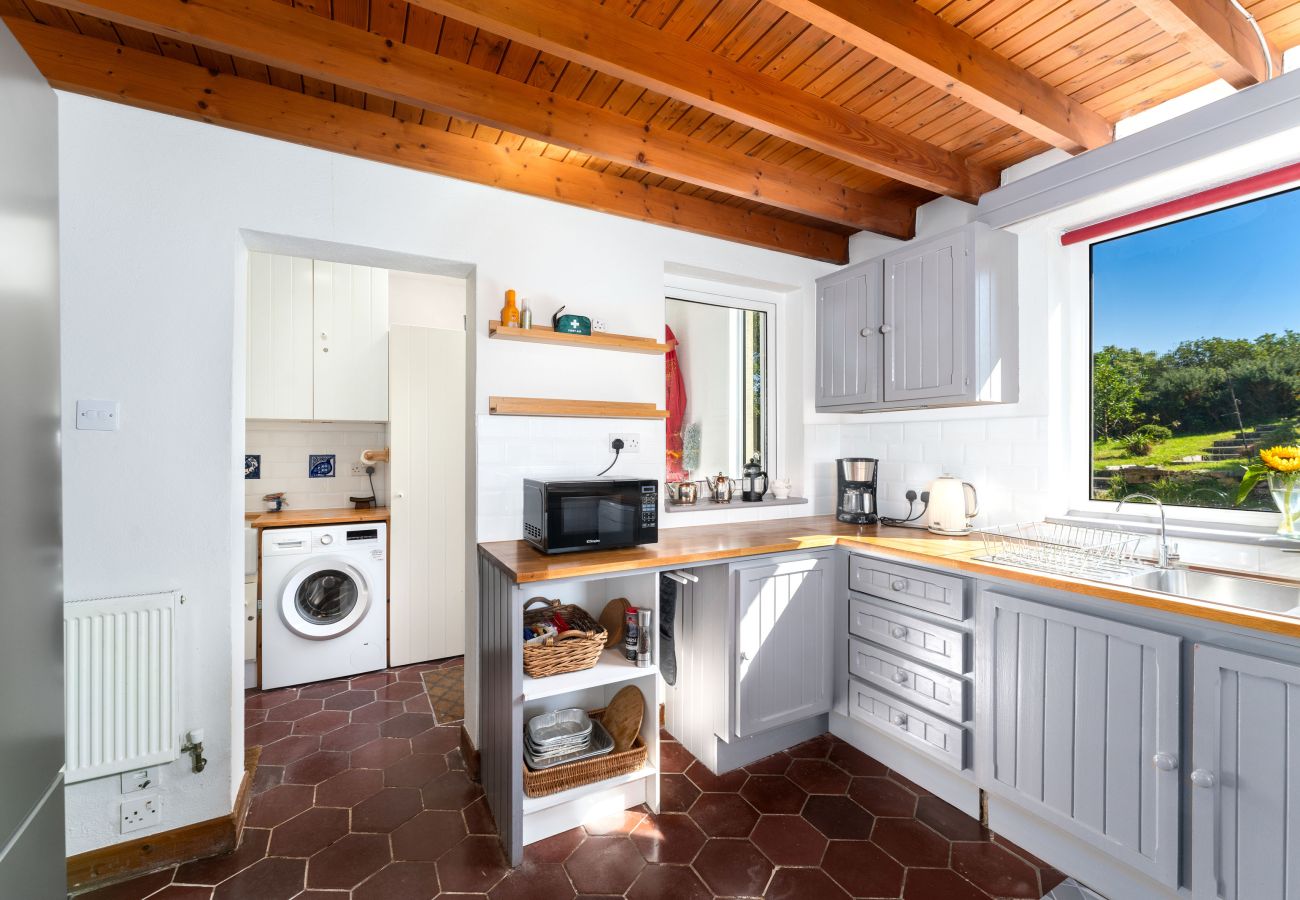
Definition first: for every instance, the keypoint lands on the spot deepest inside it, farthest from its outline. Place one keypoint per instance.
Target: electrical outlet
(139, 780)
(146, 812)
(597, 325)
(631, 442)
(358, 468)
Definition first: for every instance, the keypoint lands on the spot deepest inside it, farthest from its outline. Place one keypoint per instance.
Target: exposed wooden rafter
(605, 39)
(290, 38)
(114, 72)
(910, 37)
(1217, 34)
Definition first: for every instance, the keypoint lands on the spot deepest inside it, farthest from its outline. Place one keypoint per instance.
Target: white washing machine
(324, 602)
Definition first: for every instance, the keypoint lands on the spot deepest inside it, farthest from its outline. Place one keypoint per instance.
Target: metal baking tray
(558, 727)
(601, 743)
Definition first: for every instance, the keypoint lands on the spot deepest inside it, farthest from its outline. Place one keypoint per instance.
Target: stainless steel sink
(1250, 593)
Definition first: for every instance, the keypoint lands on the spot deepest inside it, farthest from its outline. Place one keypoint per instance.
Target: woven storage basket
(545, 782)
(570, 651)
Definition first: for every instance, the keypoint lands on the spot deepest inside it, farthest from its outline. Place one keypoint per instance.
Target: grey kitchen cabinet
(933, 323)
(1081, 726)
(1245, 776)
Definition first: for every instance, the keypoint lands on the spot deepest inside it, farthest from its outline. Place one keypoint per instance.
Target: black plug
(616, 444)
(910, 496)
(925, 496)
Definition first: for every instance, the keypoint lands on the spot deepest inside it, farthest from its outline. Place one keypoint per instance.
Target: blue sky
(1231, 273)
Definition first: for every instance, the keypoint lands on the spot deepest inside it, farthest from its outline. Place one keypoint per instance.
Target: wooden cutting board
(613, 618)
(622, 717)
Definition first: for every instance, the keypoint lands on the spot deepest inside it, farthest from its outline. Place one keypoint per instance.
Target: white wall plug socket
(359, 468)
(631, 442)
(145, 812)
(98, 415)
(139, 780)
(597, 325)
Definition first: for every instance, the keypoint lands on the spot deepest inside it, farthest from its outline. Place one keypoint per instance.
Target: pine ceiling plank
(388, 17)
(721, 22)
(1218, 36)
(688, 16)
(591, 35)
(217, 62)
(423, 28)
(52, 15)
(924, 45)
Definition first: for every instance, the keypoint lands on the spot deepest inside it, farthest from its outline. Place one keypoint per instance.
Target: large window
(1196, 352)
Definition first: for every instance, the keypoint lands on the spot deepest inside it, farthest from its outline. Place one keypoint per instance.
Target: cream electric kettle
(953, 503)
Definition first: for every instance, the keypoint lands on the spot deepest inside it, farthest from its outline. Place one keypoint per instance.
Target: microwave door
(586, 519)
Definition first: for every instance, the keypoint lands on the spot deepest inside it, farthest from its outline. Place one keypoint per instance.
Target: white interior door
(351, 341)
(427, 534)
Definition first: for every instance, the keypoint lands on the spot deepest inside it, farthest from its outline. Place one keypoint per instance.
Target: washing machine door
(324, 598)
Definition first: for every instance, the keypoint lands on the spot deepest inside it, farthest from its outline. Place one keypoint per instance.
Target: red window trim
(1286, 175)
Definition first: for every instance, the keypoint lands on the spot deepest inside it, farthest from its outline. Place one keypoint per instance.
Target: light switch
(98, 415)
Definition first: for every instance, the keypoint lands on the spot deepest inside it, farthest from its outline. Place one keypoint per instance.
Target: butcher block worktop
(710, 543)
(288, 518)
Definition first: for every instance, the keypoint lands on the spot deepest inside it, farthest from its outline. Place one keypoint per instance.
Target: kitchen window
(1195, 353)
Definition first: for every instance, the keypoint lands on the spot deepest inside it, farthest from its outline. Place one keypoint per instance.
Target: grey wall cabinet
(1083, 727)
(1245, 776)
(931, 324)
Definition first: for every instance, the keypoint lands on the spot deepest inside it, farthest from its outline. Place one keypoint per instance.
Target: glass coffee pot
(751, 489)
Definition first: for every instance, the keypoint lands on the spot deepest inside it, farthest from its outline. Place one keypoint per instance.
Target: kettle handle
(972, 500)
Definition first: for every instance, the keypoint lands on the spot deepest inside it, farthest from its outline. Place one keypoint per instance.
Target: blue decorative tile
(320, 465)
(252, 466)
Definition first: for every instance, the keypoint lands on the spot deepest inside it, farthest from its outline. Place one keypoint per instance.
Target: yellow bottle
(510, 312)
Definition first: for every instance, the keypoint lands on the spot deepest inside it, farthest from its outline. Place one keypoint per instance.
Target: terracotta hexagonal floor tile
(380, 753)
(673, 757)
(478, 817)
(216, 869)
(676, 792)
(184, 892)
(733, 868)
(289, 749)
(321, 722)
(267, 777)
(817, 776)
(406, 725)
(349, 699)
(932, 884)
(619, 822)
(668, 838)
(854, 761)
(437, 740)
(776, 764)
(267, 879)
(372, 681)
(532, 881)
(316, 768)
(293, 710)
(428, 836)
(774, 794)
(264, 733)
(556, 848)
(724, 815)
(400, 881)
(349, 737)
(802, 884)
(663, 882)
(604, 865)
(474, 865)
(452, 790)
(399, 690)
(270, 699)
(883, 796)
(863, 869)
(813, 748)
(1048, 877)
(415, 770)
(308, 832)
(134, 889)
(995, 870)
(839, 818)
(347, 862)
(322, 689)
(349, 788)
(911, 843)
(279, 804)
(949, 821)
(727, 782)
(378, 712)
(386, 810)
(789, 840)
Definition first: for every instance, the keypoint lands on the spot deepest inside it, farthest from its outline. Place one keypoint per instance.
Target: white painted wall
(285, 448)
(154, 261)
(430, 301)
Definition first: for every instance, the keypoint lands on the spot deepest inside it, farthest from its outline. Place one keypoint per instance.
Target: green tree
(1115, 395)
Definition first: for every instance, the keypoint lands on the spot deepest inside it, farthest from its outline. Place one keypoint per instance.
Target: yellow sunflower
(1281, 459)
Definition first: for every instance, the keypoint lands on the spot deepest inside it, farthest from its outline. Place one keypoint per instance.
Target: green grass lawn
(1114, 453)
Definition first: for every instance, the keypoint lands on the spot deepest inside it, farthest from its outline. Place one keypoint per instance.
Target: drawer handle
(900, 720)
(1165, 762)
(899, 632)
(900, 677)
(1203, 779)
(899, 585)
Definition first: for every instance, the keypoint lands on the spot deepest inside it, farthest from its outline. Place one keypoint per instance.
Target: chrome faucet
(1167, 554)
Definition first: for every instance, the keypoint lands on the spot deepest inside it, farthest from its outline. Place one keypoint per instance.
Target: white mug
(781, 488)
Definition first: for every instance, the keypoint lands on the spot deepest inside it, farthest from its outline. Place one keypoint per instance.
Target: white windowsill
(710, 506)
(1255, 535)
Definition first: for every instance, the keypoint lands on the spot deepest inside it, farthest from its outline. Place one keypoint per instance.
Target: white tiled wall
(285, 448)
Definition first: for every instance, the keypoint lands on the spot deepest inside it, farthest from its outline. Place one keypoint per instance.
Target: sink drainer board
(1064, 549)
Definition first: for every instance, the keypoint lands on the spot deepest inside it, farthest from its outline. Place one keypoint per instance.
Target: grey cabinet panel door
(926, 321)
(849, 310)
(1245, 775)
(1079, 707)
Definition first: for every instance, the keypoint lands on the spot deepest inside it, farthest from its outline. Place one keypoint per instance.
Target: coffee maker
(855, 495)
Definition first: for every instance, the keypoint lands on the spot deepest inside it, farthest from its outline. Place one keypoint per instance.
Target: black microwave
(590, 514)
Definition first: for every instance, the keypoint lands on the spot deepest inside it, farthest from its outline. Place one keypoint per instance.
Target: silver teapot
(720, 488)
(682, 493)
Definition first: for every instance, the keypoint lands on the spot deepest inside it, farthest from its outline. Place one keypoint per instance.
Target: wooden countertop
(288, 518)
(706, 543)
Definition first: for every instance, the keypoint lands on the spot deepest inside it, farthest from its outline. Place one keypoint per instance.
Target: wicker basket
(570, 651)
(545, 782)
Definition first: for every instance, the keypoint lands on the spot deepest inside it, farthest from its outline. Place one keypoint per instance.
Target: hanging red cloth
(675, 393)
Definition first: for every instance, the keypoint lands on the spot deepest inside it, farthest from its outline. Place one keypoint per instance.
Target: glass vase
(1286, 494)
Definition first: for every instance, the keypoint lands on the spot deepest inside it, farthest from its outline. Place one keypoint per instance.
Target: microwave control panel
(650, 505)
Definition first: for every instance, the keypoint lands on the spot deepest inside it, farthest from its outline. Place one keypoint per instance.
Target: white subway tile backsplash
(923, 432)
(285, 448)
(965, 430)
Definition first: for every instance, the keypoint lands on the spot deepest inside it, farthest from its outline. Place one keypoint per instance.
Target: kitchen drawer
(932, 690)
(943, 595)
(910, 724)
(891, 626)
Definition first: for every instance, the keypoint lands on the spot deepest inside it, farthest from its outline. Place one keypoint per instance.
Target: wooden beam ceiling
(915, 40)
(291, 38)
(606, 40)
(1217, 34)
(114, 72)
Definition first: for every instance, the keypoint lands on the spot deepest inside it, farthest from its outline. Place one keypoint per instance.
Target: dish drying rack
(1062, 549)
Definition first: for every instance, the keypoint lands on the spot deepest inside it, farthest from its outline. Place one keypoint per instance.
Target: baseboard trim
(120, 862)
(469, 752)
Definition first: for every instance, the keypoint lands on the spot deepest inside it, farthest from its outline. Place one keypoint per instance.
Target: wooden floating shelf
(599, 340)
(578, 409)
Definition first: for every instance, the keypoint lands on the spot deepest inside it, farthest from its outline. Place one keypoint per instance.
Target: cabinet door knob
(885, 329)
(1165, 762)
(899, 585)
(866, 332)
(1202, 778)
(900, 677)
(899, 632)
(324, 336)
(900, 720)
(324, 349)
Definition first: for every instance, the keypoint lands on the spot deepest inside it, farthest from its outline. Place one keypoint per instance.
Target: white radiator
(119, 677)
